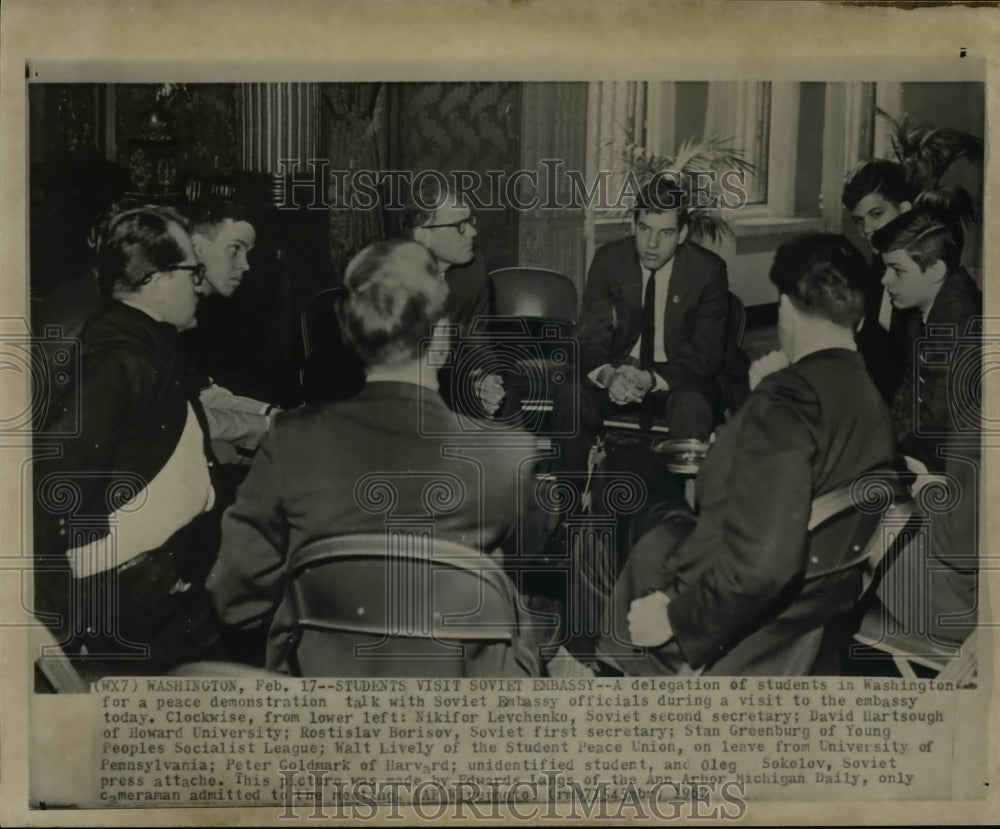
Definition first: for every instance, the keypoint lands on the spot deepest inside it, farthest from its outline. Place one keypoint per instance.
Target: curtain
(351, 146)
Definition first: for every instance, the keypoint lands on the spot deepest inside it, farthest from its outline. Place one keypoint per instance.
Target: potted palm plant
(712, 155)
(926, 153)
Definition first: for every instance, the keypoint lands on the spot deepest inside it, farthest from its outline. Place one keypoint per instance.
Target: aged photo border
(102, 41)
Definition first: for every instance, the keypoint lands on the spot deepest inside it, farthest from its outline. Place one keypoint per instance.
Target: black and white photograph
(498, 442)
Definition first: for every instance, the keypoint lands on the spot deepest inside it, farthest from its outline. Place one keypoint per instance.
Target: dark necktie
(648, 322)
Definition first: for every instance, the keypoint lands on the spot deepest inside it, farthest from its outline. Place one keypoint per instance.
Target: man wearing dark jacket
(726, 591)
(652, 329)
(122, 497)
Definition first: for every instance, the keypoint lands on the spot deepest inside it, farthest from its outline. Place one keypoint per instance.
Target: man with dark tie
(652, 330)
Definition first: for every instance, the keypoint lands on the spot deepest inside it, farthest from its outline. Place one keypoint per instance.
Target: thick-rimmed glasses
(197, 273)
(460, 226)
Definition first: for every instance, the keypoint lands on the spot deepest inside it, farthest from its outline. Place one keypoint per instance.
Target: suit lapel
(677, 296)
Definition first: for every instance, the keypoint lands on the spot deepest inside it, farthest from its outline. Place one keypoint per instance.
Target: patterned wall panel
(204, 119)
(554, 129)
(463, 126)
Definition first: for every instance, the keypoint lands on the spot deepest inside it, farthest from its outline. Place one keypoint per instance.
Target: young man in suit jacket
(652, 329)
(875, 194)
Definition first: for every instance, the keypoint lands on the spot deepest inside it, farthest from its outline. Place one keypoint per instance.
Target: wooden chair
(377, 605)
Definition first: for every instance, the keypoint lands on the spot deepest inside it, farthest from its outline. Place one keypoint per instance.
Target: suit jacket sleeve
(595, 329)
(113, 387)
(761, 533)
(248, 579)
(701, 353)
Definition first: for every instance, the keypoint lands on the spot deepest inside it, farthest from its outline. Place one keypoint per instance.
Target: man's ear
(199, 242)
(938, 271)
(905, 207)
(682, 236)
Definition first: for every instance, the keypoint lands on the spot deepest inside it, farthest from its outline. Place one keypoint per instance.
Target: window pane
(741, 113)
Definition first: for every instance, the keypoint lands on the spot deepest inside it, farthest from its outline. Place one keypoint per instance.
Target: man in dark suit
(921, 251)
(725, 591)
(652, 330)
(309, 478)
(875, 194)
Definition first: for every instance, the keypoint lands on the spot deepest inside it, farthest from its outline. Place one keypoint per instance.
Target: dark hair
(206, 214)
(423, 201)
(877, 176)
(823, 275)
(663, 195)
(136, 242)
(926, 235)
(394, 298)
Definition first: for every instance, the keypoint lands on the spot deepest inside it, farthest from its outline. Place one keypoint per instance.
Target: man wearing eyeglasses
(444, 224)
(123, 498)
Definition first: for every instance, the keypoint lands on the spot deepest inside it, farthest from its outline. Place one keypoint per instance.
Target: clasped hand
(489, 388)
(629, 385)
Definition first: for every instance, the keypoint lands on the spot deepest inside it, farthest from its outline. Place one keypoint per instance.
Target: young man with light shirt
(222, 238)
(132, 451)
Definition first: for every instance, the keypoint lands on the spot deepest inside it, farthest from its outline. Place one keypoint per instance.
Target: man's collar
(824, 340)
(140, 307)
(405, 374)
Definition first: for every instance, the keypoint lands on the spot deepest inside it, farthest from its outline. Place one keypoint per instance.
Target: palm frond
(709, 227)
(926, 152)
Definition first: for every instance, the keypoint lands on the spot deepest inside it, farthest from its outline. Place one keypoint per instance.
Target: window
(761, 118)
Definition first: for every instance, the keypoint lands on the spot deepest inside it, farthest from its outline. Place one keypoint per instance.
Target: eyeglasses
(461, 226)
(197, 273)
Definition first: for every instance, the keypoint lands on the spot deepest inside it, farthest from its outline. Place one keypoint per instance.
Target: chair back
(846, 534)
(316, 315)
(534, 293)
(380, 605)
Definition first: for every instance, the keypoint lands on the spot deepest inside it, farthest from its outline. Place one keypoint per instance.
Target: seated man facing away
(706, 592)
(875, 194)
(306, 480)
(937, 419)
(124, 498)
(652, 329)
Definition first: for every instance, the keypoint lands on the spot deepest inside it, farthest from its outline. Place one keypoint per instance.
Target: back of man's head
(394, 298)
(926, 234)
(136, 243)
(824, 276)
(877, 176)
(663, 195)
